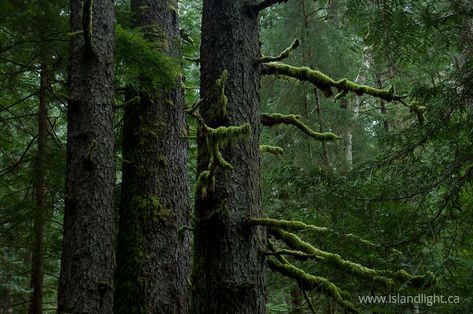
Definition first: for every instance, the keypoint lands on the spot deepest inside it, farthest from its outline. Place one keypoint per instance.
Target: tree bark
(153, 257)
(87, 263)
(39, 215)
(228, 271)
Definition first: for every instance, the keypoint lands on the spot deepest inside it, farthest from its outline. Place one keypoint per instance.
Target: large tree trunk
(39, 215)
(228, 271)
(88, 259)
(153, 257)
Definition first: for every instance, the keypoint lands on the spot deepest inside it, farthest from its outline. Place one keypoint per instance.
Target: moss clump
(296, 120)
(275, 150)
(419, 109)
(150, 207)
(215, 139)
(222, 100)
(324, 82)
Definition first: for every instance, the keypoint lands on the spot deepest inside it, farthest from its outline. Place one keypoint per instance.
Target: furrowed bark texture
(153, 259)
(228, 271)
(87, 263)
(39, 216)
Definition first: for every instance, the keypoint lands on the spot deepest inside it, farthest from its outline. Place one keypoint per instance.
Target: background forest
(393, 192)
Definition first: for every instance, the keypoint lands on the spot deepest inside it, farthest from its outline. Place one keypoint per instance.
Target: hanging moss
(292, 119)
(276, 150)
(311, 282)
(222, 100)
(324, 82)
(225, 134)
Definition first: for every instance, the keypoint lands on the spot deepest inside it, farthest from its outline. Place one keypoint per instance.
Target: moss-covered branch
(324, 82)
(311, 282)
(275, 150)
(282, 55)
(382, 277)
(295, 120)
(289, 225)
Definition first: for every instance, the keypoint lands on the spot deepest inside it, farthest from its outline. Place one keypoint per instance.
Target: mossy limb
(324, 82)
(310, 282)
(282, 55)
(275, 150)
(291, 225)
(295, 120)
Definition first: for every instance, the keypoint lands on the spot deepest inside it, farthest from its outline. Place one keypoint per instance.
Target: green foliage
(140, 60)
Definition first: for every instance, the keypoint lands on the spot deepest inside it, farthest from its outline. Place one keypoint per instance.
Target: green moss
(90, 151)
(222, 100)
(332, 260)
(276, 150)
(225, 134)
(324, 82)
(291, 225)
(310, 282)
(419, 109)
(291, 119)
(282, 55)
(163, 160)
(150, 207)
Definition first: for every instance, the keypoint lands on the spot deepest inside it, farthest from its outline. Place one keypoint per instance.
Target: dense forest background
(397, 183)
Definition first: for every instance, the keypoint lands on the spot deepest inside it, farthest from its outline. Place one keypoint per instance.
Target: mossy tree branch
(326, 83)
(295, 120)
(275, 150)
(382, 277)
(282, 55)
(289, 225)
(309, 282)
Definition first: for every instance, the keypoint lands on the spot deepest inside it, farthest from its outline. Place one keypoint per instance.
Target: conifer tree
(153, 257)
(87, 264)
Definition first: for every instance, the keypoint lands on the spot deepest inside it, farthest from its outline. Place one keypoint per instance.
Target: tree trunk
(39, 215)
(87, 258)
(228, 271)
(153, 257)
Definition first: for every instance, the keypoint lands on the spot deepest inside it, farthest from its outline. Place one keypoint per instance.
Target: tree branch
(277, 118)
(282, 55)
(311, 282)
(265, 4)
(326, 83)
